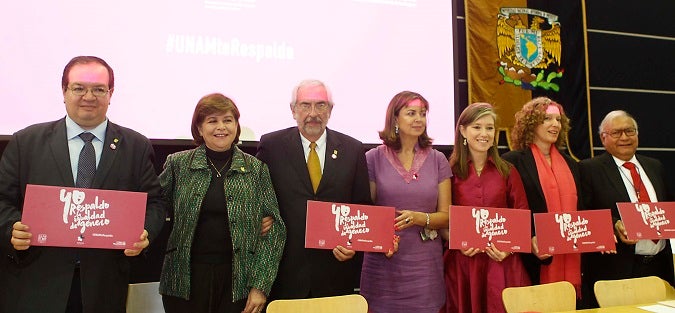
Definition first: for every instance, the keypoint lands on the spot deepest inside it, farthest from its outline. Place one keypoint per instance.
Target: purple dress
(412, 279)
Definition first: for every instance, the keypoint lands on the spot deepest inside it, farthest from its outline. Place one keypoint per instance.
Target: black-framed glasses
(616, 133)
(318, 106)
(96, 91)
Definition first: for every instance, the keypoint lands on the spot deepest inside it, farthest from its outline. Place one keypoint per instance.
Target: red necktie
(638, 185)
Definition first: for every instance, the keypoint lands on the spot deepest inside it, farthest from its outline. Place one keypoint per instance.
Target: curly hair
(388, 135)
(532, 115)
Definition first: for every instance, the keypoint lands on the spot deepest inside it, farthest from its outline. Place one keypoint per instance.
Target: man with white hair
(621, 175)
(312, 162)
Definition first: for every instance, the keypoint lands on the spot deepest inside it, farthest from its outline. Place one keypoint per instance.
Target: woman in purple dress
(475, 277)
(407, 173)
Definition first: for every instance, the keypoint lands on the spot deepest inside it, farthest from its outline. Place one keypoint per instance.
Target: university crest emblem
(529, 53)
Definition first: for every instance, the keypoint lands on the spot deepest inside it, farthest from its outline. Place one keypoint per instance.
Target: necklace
(219, 172)
(479, 171)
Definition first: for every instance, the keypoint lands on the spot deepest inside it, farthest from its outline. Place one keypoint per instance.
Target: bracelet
(426, 233)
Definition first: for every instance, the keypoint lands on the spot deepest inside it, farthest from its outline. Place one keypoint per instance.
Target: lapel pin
(334, 155)
(113, 145)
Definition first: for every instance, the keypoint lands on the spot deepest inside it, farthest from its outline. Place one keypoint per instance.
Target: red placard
(574, 232)
(476, 227)
(83, 218)
(353, 226)
(648, 220)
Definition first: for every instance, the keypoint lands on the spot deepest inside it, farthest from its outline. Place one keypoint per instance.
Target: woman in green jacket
(217, 260)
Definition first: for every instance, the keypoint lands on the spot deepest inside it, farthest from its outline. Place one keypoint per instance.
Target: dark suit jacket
(523, 160)
(314, 272)
(603, 187)
(38, 279)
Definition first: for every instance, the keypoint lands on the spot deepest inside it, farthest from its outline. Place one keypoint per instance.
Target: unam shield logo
(528, 47)
(527, 52)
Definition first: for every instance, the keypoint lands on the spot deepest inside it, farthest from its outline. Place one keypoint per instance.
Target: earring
(465, 141)
(396, 129)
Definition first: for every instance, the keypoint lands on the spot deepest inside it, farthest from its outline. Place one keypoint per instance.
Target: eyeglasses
(96, 91)
(630, 132)
(319, 107)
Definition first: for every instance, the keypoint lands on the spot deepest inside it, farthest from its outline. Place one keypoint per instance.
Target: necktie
(86, 166)
(638, 185)
(314, 166)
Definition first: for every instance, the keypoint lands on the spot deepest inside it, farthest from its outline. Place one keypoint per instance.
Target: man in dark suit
(57, 279)
(605, 181)
(305, 273)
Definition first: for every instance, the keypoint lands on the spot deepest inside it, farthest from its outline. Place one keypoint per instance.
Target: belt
(644, 259)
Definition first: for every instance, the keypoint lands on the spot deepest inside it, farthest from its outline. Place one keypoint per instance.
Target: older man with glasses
(621, 175)
(312, 162)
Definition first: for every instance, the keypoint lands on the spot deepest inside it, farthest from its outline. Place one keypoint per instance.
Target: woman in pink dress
(475, 277)
(407, 173)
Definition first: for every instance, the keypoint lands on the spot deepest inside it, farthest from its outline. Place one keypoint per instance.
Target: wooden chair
(338, 304)
(144, 298)
(670, 291)
(552, 297)
(630, 291)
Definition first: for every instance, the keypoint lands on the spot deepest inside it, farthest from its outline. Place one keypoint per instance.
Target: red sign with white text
(574, 232)
(648, 220)
(477, 227)
(83, 218)
(353, 226)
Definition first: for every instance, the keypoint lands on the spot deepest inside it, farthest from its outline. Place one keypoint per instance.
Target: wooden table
(619, 309)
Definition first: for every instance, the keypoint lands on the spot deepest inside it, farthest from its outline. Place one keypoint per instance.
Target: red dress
(475, 284)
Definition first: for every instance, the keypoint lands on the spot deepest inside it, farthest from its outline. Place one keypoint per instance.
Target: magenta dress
(475, 283)
(411, 281)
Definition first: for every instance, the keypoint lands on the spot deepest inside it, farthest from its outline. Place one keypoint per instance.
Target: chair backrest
(144, 298)
(551, 297)
(670, 290)
(629, 291)
(338, 304)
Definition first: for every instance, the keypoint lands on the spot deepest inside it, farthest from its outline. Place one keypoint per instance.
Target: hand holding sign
(345, 228)
(20, 236)
(646, 220)
(82, 218)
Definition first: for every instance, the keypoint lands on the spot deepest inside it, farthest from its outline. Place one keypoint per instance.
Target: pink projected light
(168, 54)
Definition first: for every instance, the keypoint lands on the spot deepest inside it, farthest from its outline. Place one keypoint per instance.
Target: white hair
(613, 115)
(310, 83)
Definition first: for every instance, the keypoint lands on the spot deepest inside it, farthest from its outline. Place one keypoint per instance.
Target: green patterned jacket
(250, 196)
